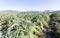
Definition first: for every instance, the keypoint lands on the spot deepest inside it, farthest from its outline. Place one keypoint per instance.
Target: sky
(29, 5)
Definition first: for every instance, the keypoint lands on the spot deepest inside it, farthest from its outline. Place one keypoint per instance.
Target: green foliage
(25, 25)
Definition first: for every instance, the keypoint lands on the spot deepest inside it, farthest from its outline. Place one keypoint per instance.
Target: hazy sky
(29, 5)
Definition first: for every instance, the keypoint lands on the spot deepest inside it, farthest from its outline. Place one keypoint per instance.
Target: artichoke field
(24, 25)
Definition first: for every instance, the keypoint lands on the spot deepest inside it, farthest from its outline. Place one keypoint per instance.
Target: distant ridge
(9, 11)
(46, 11)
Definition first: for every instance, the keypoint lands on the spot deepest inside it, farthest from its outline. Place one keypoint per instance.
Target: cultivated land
(29, 25)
